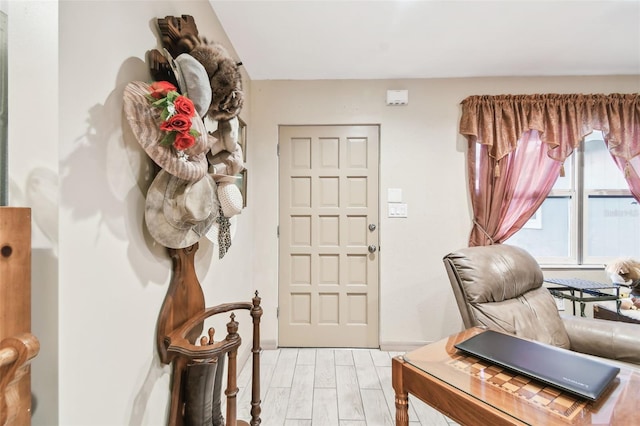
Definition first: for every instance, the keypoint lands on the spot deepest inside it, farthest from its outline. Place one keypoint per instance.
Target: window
(590, 216)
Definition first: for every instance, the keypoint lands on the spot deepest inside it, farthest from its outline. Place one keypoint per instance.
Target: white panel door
(328, 257)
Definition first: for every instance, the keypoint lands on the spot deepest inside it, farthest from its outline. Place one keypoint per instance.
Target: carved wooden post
(232, 385)
(183, 301)
(17, 344)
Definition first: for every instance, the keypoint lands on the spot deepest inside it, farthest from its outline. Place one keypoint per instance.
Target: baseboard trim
(389, 346)
(269, 344)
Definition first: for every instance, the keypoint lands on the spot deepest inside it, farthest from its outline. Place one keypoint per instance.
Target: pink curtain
(631, 170)
(517, 144)
(504, 201)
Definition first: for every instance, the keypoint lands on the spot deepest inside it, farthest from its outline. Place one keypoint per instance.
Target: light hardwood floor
(328, 387)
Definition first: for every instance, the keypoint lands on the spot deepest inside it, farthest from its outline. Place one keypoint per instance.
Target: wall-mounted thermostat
(397, 97)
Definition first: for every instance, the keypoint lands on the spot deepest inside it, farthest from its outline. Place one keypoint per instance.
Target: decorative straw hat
(145, 120)
(230, 199)
(179, 212)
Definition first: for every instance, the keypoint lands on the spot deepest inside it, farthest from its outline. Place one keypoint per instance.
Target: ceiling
(339, 39)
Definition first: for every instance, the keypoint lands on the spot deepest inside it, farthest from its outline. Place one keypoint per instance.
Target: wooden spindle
(256, 314)
(232, 385)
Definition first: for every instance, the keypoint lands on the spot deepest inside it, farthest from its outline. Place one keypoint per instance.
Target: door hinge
(278, 231)
(278, 312)
(278, 150)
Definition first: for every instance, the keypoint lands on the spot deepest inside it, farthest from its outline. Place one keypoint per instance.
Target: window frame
(578, 196)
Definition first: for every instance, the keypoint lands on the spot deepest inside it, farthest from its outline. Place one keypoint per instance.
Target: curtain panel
(503, 204)
(499, 127)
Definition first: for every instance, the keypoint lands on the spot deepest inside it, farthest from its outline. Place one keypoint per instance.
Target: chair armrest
(608, 339)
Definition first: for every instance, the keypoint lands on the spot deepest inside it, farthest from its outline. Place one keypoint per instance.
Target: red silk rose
(159, 89)
(176, 114)
(184, 105)
(178, 122)
(183, 141)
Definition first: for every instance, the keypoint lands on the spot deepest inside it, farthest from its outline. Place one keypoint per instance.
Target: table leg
(402, 410)
(401, 395)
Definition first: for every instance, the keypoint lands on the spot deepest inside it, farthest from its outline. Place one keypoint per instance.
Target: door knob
(372, 248)
(372, 227)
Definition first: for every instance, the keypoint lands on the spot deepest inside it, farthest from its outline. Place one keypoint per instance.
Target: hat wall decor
(186, 120)
(152, 111)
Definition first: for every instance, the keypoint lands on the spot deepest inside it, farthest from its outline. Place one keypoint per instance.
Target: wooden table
(472, 392)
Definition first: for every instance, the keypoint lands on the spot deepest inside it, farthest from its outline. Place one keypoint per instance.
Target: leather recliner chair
(500, 287)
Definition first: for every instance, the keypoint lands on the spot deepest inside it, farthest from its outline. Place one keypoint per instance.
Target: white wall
(33, 176)
(421, 153)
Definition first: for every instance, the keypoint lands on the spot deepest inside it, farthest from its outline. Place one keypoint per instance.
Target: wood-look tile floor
(328, 387)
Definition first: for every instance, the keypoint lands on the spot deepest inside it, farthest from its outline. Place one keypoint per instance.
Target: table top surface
(580, 284)
(524, 399)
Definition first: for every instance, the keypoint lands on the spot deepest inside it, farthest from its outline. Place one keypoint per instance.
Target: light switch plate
(398, 210)
(394, 195)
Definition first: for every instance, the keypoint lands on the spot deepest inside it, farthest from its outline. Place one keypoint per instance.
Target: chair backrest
(500, 287)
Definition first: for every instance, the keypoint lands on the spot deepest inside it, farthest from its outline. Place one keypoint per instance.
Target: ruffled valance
(562, 121)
